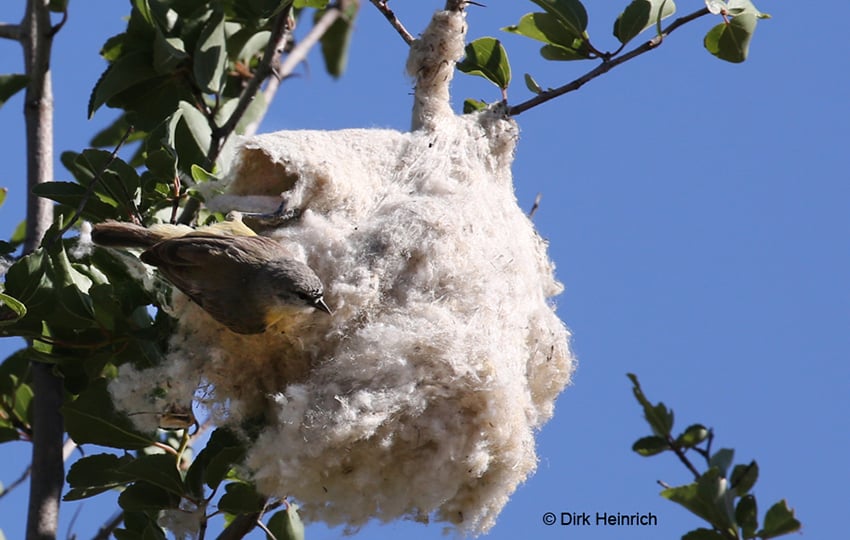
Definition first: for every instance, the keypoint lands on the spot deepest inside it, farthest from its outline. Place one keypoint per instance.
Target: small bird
(244, 281)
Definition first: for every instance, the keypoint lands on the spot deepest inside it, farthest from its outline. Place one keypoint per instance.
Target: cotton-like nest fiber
(419, 397)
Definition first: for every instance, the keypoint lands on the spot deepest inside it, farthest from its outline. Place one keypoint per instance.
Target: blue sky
(697, 212)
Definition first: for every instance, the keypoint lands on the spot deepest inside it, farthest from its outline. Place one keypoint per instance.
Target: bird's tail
(122, 234)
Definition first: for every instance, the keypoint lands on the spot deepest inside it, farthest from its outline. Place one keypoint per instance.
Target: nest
(420, 396)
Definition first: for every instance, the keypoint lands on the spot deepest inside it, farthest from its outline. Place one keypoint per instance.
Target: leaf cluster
(721, 494)
(151, 481)
(186, 76)
(562, 28)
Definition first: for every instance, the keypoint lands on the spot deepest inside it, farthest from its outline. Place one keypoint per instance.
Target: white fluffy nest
(420, 396)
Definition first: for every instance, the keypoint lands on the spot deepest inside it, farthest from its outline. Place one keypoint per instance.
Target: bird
(244, 281)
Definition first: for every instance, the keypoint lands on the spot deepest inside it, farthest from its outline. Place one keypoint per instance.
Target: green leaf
(487, 58)
(318, 4)
(692, 436)
(74, 287)
(11, 85)
(737, 7)
(650, 446)
(3, 193)
(744, 477)
(640, 15)
(116, 181)
(532, 85)
(336, 41)
(571, 13)
(247, 44)
(8, 434)
(658, 417)
(472, 105)
(560, 54)
(111, 135)
(71, 195)
(29, 281)
(23, 402)
(708, 498)
(199, 129)
(201, 175)
(722, 460)
(140, 526)
(11, 310)
(746, 515)
(286, 524)
(162, 163)
(212, 464)
(144, 10)
(126, 72)
(58, 6)
(779, 520)
(210, 59)
(731, 42)
(91, 475)
(255, 111)
(142, 496)
(168, 53)
(240, 498)
(547, 28)
(92, 418)
(156, 469)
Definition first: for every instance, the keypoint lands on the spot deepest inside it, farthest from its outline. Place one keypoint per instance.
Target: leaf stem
(682, 457)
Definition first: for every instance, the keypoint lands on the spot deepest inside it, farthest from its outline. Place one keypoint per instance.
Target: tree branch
(240, 526)
(384, 8)
(279, 34)
(277, 40)
(299, 53)
(605, 66)
(10, 31)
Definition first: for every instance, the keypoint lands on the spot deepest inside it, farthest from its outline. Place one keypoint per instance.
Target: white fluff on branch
(419, 397)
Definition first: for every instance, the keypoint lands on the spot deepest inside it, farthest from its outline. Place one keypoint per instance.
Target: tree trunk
(48, 431)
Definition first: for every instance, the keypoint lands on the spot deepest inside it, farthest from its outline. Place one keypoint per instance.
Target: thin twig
(682, 457)
(299, 53)
(394, 21)
(58, 26)
(107, 528)
(20, 480)
(266, 530)
(133, 211)
(604, 67)
(10, 31)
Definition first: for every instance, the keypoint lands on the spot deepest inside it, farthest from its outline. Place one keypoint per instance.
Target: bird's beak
(322, 306)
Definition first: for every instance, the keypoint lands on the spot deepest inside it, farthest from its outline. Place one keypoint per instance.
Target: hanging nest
(419, 397)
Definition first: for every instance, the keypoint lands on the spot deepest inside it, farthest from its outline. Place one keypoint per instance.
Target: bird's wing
(206, 268)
